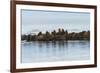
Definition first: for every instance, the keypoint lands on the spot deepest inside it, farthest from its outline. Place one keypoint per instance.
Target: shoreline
(59, 35)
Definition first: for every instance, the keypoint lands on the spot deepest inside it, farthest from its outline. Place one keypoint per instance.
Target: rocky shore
(59, 35)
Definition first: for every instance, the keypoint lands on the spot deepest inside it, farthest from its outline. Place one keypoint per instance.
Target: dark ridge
(57, 36)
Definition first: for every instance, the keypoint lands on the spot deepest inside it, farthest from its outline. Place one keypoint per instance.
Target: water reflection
(54, 44)
(42, 51)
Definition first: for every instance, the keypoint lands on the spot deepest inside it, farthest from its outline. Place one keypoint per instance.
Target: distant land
(59, 35)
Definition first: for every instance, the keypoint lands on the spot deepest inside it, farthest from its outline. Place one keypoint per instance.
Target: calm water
(55, 51)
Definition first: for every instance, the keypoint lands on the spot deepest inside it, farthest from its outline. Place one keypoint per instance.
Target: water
(55, 51)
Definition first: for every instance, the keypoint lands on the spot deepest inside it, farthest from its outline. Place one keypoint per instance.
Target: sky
(34, 21)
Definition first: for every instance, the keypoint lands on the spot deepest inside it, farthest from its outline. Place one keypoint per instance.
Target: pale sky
(34, 21)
